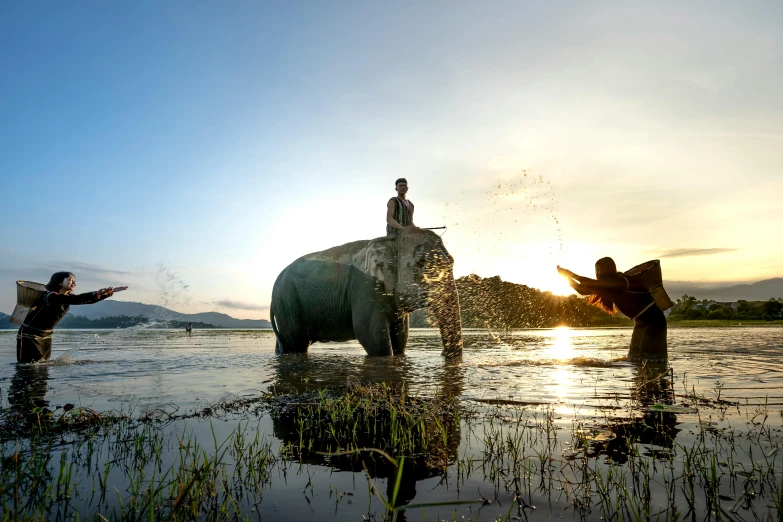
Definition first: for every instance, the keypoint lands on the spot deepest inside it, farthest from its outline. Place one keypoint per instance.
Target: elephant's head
(425, 279)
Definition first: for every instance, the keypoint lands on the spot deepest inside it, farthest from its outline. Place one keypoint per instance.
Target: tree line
(71, 321)
(688, 307)
(493, 303)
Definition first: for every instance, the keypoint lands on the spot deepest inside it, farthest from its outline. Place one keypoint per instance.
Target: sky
(206, 145)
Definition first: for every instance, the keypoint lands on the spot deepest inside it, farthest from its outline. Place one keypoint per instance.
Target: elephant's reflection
(27, 394)
(652, 384)
(371, 427)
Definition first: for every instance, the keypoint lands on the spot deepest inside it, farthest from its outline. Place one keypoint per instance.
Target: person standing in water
(610, 290)
(34, 340)
(399, 210)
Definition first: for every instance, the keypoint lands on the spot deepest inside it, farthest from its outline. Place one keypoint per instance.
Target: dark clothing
(631, 303)
(402, 215)
(27, 394)
(34, 340)
(648, 341)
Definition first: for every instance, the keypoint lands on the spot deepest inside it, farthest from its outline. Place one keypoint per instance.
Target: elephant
(365, 290)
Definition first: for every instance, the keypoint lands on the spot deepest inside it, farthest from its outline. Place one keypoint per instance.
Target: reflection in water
(369, 417)
(561, 376)
(512, 398)
(296, 373)
(562, 347)
(652, 384)
(27, 393)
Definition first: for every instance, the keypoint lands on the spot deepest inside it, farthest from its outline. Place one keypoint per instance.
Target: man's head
(605, 267)
(401, 185)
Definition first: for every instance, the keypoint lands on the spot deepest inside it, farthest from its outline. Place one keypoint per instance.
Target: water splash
(172, 291)
(498, 218)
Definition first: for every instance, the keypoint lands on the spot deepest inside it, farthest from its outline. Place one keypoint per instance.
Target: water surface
(579, 378)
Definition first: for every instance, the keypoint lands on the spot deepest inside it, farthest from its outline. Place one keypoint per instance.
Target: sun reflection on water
(561, 348)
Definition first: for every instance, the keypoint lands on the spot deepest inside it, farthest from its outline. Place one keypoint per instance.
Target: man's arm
(390, 216)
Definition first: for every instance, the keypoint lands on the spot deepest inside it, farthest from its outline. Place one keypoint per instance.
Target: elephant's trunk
(445, 308)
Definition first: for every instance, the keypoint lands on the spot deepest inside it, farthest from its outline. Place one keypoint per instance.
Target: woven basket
(27, 293)
(647, 276)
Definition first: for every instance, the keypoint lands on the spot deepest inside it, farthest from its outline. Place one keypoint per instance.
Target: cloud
(239, 305)
(78, 266)
(686, 252)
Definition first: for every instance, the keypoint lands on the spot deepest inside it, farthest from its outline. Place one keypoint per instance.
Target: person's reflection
(652, 385)
(301, 373)
(27, 394)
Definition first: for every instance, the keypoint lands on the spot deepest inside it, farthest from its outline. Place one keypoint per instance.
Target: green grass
(649, 464)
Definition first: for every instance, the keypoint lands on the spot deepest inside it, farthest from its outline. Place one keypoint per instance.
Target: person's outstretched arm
(582, 290)
(615, 283)
(79, 299)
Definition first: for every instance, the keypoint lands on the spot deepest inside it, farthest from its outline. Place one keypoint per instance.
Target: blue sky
(223, 140)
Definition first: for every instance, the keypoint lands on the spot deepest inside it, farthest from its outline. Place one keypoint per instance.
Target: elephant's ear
(381, 263)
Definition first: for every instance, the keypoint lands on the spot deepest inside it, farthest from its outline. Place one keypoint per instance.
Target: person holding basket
(34, 340)
(642, 301)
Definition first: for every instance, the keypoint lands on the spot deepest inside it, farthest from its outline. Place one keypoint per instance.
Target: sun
(554, 283)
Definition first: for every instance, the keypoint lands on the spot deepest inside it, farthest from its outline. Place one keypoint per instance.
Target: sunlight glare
(561, 348)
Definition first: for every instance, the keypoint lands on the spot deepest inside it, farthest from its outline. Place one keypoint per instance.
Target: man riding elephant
(399, 210)
(365, 290)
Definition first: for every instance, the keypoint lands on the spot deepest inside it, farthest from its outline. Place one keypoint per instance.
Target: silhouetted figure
(612, 290)
(399, 210)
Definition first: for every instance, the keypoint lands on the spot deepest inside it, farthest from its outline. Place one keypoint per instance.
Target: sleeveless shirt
(402, 214)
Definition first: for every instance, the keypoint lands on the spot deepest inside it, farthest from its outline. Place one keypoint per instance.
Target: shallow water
(153, 368)
(577, 377)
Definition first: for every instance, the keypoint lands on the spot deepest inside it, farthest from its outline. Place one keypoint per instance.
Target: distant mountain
(224, 321)
(760, 291)
(5, 322)
(113, 308)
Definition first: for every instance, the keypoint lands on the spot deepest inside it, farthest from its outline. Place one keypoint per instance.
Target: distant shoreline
(711, 323)
(700, 323)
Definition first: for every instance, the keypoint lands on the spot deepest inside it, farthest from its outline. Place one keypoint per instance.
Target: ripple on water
(526, 365)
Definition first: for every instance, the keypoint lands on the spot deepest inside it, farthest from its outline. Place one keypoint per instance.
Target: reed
(504, 461)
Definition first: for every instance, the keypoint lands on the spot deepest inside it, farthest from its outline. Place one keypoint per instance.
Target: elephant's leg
(398, 331)
(371, 328)
(298, 346)
(289, 339)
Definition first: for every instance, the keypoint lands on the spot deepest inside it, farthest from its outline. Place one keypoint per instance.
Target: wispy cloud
(239, 305)
(687, 252)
